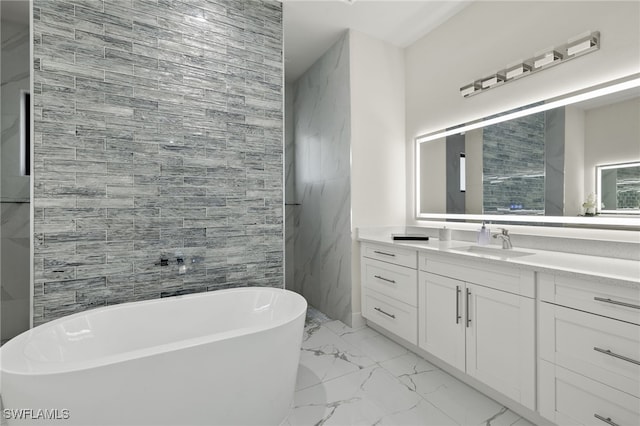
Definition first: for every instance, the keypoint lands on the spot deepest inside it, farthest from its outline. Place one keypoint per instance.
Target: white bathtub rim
(50, 368)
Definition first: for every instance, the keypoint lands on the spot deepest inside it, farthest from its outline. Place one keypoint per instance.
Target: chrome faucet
(505, 237)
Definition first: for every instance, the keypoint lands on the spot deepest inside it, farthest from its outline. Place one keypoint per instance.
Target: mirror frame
(604, 220)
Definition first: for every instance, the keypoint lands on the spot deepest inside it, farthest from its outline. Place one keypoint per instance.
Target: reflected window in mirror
(618, 188)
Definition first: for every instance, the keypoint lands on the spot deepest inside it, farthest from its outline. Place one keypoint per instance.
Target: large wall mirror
(573, 160)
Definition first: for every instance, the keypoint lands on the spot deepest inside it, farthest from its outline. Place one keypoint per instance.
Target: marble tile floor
(359, 377)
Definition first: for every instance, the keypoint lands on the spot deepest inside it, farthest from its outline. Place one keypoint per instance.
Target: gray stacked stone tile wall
(158, 132)
(514, 166)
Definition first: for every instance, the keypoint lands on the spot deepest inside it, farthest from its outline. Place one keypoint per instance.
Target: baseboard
(357, 320)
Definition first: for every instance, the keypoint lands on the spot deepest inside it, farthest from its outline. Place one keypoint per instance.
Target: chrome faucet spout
(505, 237)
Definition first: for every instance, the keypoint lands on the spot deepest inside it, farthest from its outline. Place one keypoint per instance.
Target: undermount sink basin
(494, 251)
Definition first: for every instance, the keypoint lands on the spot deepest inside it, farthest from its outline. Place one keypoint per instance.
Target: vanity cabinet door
(441, 318)
(500, 338)
(487, 333)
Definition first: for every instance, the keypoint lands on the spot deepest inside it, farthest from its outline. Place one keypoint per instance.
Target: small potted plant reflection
(589, 205)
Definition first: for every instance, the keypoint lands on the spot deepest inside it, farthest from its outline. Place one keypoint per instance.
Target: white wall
(487, 36)
(378, 193)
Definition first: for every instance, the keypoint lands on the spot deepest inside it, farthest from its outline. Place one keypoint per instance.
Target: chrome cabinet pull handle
(384, 254)
(458, 317)
(384, 279)
(468, 316)
(606, 420)
(615, 302)
(386, 313)
(615, 355)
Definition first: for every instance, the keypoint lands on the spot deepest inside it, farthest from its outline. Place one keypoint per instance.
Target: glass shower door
(15, 226)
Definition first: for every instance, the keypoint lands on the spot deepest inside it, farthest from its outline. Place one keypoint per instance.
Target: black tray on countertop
(409, 237)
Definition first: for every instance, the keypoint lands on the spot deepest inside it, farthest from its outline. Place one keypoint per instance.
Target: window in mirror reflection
(619, 188)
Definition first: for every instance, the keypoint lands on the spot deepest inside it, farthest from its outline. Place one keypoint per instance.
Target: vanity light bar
(569, 99)
(493, 80)
(557, 55)
(518, 71)
(546, 59)
(582, 45)
(467, 90)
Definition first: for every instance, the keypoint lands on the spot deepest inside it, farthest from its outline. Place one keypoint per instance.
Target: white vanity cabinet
(589, 351)
(389, 288)
(480, 319)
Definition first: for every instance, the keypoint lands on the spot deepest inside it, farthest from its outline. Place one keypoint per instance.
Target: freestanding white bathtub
(226, 357)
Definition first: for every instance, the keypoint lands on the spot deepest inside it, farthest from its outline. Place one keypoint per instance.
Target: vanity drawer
(600, 348)
(397, 317)
(395, 281)
(506, 278)
(391, 254)
(568, 398)
(590, 295)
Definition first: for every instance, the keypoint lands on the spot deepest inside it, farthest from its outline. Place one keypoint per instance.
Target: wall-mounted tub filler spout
(182, 268)
(505, 237)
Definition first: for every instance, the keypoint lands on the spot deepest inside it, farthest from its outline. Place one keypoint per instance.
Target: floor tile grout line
(376, 366)
(435, 368)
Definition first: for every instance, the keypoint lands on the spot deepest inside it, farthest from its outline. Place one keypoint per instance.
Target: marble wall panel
(14, 188)
(15, 81)
(554, 160)
(322, 132)
(14, 274)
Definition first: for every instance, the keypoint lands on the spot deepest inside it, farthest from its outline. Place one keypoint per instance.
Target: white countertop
(609, 269)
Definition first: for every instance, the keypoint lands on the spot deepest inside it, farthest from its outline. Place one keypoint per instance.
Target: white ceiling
(312, 26)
